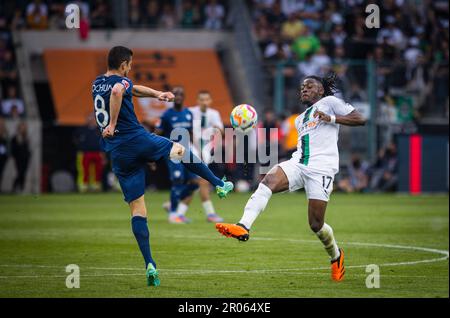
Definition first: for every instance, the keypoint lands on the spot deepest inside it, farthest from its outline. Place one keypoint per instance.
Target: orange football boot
(338, 268)
(237, 231)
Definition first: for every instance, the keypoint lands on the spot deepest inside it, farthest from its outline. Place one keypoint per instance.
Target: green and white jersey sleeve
(317, 141)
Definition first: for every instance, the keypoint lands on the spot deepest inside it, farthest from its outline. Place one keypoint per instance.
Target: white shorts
(318, 186)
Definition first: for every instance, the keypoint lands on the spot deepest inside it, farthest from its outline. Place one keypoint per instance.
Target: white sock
(208, 207)
(255, 205)
(327, 238)
(182, 208)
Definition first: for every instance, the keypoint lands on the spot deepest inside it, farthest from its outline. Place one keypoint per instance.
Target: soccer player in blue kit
(131, 147)
(184, 182)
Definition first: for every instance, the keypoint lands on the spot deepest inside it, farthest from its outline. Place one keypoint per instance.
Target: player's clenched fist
(166, 96)
(108, 132)
(322, 116)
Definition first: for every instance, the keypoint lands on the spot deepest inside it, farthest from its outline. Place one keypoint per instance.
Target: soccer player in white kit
(311, 167)
(205, 117)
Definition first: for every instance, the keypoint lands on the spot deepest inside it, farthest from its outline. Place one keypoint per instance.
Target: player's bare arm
(353, 119)
(115, 102)
(144, 91)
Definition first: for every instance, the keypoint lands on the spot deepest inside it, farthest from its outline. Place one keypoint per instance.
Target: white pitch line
(179, 273)
(297, 271)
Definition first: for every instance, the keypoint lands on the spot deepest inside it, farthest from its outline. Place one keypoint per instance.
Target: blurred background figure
(20, 150)
(269, 135)
(215, 14)
(90, 158)
(290, 133)
(384, 171)
(206, 119)
(4, 148)
(37, 15)
(357, 179)
(13, 106)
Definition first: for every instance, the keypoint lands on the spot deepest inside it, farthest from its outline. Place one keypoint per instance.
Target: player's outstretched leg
(208, 207)
(142, 235)
(316, 216)
(275, 181)
(195, 165)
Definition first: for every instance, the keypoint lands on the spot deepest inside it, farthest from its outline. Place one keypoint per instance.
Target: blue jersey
(173, 119)
(128, 125)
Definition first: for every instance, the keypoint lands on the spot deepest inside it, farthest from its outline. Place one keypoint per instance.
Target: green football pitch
(407, 237)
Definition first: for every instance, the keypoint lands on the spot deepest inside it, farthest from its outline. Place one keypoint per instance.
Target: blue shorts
(178, 173)
(130, 159)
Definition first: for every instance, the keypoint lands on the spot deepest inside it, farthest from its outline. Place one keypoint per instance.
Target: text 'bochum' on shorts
(318, 186)
(129, 161)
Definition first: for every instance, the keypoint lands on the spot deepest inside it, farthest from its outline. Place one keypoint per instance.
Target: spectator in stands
(306, 44)
(4, 148)
(290, 134)
(277, 50)
(89, 155)
(135, 13)
(37, 15)
(357, 179)
(292, 28)
(384, 172)
(191, 14)
(321, 62)
(8, 68)
(291, 6)
(215, 13)
(262, 6)
(152, 14)
(168, 18)
(356, 94)
(57, 16)
(271, 134)
(12, 106)
(392, 34)
(101, 16)
(20, 150)
(358, 45)
(311, 14)
(318, 63)
(18, 22)
(5, 33)
(275, 16)
(263, 31)
(338, 34)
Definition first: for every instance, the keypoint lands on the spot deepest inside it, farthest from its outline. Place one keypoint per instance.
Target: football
(243, 118)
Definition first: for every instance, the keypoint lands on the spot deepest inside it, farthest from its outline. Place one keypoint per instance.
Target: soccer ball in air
(243, 118)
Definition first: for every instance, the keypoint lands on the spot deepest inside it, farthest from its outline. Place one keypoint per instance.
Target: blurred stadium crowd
(409, 51)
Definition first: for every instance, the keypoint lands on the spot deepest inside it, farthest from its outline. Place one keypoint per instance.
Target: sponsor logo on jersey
(126, 84)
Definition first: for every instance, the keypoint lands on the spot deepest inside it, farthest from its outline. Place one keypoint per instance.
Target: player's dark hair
(203, 92)
(328, 82)
(117, 55)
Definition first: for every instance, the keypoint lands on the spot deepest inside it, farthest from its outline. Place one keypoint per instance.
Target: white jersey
(317, 140)
(201, 122)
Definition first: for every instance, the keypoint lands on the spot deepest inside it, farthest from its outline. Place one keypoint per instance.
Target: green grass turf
(40, 235)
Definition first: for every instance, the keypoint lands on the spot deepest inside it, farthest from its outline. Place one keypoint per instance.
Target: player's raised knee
(177, 152)
(270, 180)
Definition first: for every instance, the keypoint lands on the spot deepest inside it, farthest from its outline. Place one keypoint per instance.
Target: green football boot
(152, 276)
(227, 187)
